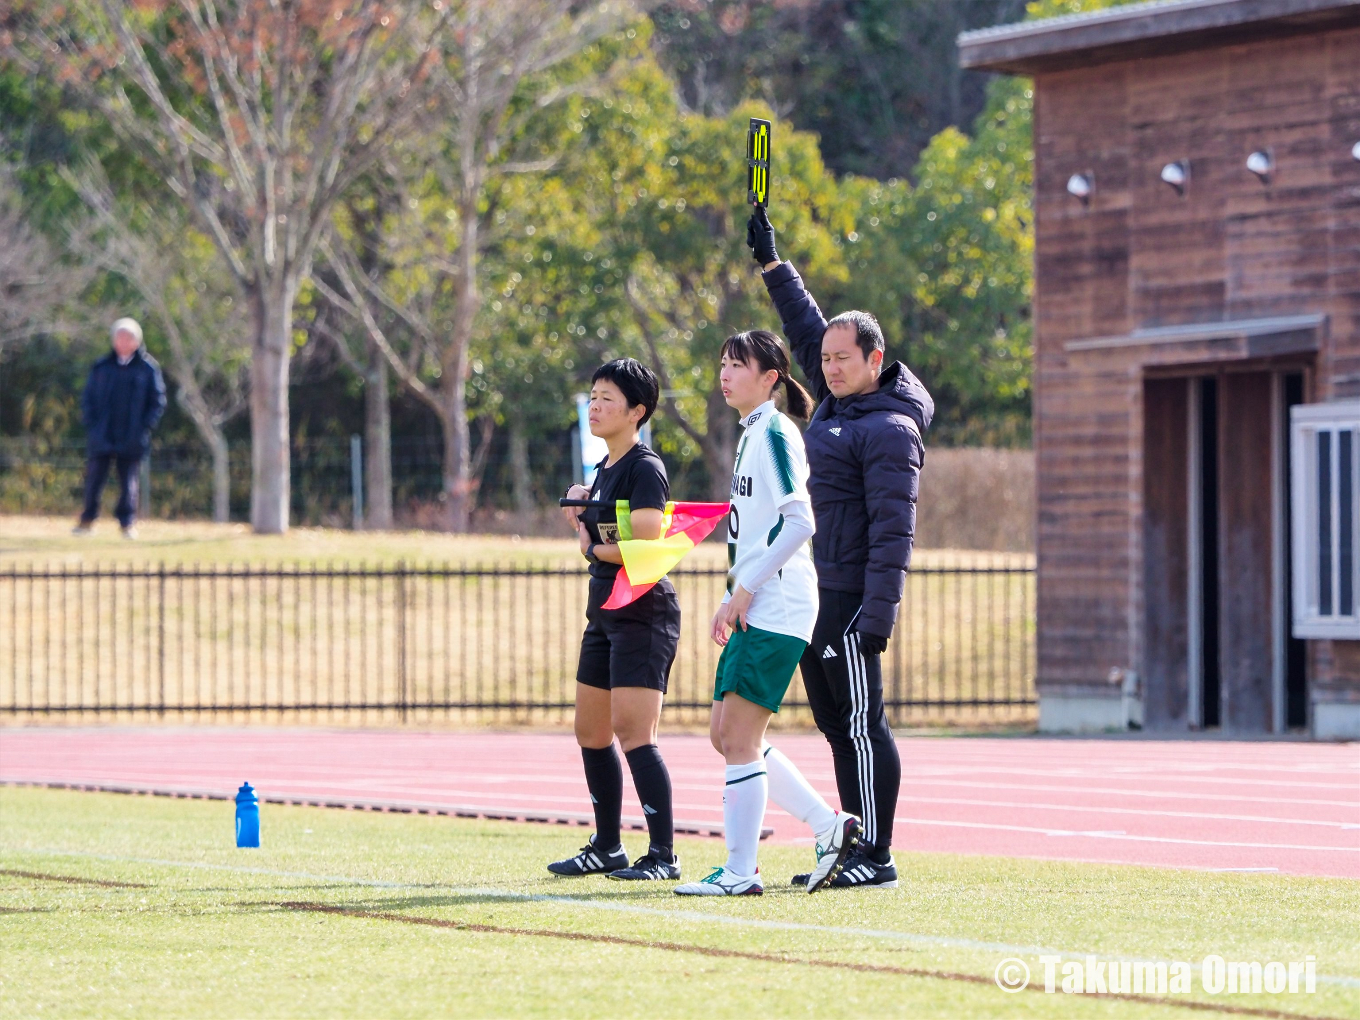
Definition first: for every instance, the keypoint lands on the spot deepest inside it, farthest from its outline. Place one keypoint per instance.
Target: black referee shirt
(640, 478)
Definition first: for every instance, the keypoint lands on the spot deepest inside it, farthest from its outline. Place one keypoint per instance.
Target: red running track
(1216, 805)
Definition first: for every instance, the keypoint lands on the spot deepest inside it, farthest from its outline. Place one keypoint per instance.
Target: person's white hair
(130, 325)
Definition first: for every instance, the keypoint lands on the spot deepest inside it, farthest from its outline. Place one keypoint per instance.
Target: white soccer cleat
(722, 882)
(833, 848)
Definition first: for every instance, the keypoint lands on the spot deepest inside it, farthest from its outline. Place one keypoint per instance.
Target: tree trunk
(457, 446)
(457, 460)
(221, 467)
(270, 491)
(521, 483)
(191, 400)
(377, 441)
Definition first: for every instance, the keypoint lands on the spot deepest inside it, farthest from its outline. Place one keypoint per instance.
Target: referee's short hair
(868, 333)
(635, 381)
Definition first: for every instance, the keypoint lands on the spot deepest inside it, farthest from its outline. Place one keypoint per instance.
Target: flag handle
(584, 502)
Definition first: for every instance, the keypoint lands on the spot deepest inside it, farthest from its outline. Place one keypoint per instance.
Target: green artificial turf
(188, 925)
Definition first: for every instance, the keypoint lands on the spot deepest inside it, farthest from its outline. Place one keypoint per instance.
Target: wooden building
(1197, 362)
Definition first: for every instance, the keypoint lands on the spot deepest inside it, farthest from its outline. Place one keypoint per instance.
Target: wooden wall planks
(1139, 256)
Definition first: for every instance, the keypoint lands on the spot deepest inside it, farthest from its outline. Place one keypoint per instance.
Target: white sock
(792, 792)
(743, 811)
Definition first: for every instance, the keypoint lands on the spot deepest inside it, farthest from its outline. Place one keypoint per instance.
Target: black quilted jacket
(865, 454)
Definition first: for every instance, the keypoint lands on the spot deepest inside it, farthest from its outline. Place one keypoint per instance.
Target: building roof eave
(1137, 30)
(1234, 340)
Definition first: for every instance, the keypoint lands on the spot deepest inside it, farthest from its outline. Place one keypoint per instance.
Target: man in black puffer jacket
(123, 401)
(865, 454)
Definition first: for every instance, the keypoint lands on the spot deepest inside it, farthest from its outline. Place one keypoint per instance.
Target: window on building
(1325, 490)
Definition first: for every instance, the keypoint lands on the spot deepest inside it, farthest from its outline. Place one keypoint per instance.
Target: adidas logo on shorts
(829, 652)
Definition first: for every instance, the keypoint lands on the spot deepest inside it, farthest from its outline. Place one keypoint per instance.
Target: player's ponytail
(769, 354)
(800, 400)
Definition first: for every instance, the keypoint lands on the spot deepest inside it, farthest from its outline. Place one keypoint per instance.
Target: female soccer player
(626, 654)
(770, 608)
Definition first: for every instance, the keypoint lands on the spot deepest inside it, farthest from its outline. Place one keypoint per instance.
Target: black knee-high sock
(652, 781)
(604, 779)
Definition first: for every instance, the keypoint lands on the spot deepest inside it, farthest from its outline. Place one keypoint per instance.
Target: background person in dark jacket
(124, 399)
(865, 454)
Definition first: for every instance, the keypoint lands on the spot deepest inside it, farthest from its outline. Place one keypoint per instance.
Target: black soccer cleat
(859, 871)
(655, 864)
(591, 861)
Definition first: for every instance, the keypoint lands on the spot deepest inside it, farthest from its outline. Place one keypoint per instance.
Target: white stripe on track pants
(845, 689)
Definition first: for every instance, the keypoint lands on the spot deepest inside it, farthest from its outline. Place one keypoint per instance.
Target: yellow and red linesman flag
(646, 561)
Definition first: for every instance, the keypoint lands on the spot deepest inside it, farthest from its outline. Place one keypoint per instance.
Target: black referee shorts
(633, 646)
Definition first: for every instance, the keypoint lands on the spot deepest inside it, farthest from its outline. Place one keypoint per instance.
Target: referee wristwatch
(590, 553)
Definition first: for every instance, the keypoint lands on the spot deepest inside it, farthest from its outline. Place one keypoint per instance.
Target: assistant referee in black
(865, 453)
(626, 653)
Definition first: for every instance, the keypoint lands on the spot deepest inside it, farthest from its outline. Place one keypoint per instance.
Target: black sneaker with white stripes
(859, 870)
(657, 863)
(590, 861)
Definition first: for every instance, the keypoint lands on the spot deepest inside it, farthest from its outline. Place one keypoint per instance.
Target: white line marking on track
(1122, 792)
(1276, 870)
(1117, 835)
(1171, 778)
(692, 916)
(1029, 805)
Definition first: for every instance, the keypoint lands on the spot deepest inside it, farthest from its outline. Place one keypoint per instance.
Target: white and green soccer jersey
(770, 473)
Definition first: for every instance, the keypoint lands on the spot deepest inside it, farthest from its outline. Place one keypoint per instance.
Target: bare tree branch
(36, 287)
(643, 314)
(257, 114)
(493, 49)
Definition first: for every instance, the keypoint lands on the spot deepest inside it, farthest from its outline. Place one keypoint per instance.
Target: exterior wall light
(1080, 186)
(1355, 151)
(1261, 164)
(1177, 175)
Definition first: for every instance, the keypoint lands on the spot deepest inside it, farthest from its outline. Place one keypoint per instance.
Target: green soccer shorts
(758, 666)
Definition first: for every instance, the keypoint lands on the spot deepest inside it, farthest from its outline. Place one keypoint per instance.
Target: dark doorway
(1217, 652)
(1295, 649)
(1166, 553)
(1206, 526)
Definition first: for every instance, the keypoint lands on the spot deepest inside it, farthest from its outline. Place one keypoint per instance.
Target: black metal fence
(466, 644)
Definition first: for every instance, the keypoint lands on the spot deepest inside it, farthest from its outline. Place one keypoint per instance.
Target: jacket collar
(138, 355)
(765, 410)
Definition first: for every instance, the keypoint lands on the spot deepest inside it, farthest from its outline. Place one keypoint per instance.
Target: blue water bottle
(247, 817)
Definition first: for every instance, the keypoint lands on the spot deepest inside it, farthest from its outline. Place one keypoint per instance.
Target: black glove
(871, 644)
(760, 237)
